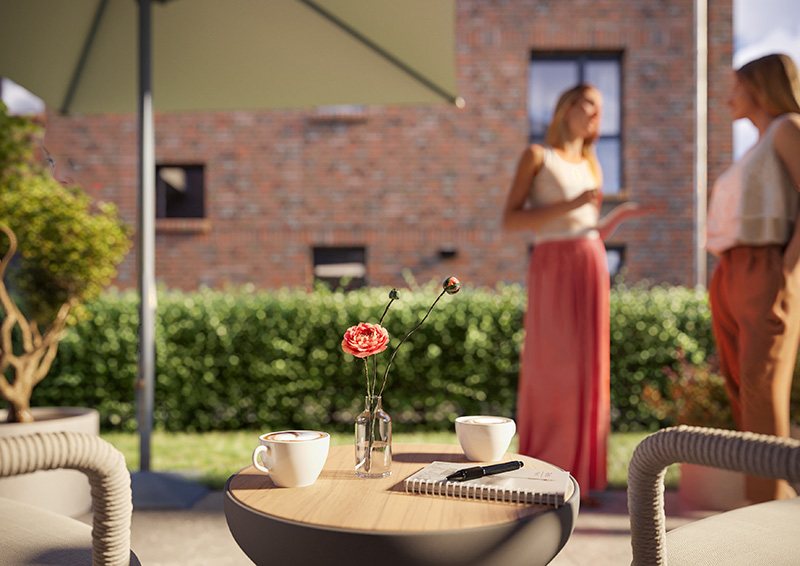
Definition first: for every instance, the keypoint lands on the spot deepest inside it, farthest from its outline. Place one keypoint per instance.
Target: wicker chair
(766, 533)
(31, 535)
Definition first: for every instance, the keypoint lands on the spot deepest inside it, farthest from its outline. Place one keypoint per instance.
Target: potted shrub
(697, 397)
(58, 250)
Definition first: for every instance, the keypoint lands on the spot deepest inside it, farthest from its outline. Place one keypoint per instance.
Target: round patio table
(342, 518)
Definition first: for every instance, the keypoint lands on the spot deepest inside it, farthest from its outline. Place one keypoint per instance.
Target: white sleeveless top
(561, 180)
(754, 202)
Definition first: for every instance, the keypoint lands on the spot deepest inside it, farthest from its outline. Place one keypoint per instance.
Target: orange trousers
(755, 306)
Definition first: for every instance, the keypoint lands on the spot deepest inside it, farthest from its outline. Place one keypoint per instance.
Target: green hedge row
(652, 330)
(249, 359)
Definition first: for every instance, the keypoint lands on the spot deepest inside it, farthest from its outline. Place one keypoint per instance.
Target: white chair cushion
(767, 533)
(31, 536)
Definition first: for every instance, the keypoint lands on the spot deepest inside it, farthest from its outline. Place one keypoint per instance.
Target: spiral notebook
(524, 486)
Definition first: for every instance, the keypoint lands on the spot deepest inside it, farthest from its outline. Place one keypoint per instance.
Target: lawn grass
(620, 449)
(211, 457)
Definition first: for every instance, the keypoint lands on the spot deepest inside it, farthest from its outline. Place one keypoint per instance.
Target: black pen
(480, 471)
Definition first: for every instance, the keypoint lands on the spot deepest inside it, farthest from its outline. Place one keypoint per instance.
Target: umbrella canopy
(81, 57)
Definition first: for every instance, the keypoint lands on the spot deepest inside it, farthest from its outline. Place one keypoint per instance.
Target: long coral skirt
(563, 402)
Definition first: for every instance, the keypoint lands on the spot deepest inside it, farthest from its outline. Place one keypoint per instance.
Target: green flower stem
(380, 322)
(374, 359)
(366, 374)
(386, 373)
(372, 404)
(374, 374)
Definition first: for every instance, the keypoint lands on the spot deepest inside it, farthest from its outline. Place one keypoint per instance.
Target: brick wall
(407, 182)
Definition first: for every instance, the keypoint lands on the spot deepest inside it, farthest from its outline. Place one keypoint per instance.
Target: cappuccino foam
(294, 435)
(484, 420)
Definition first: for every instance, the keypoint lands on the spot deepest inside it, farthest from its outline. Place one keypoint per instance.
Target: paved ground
(602, 536)
(199, 536)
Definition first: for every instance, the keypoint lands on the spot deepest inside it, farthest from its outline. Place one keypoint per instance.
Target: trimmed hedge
(652, 329)
(266, 360)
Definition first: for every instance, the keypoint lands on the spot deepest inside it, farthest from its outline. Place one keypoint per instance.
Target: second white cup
(484, 438)
(292, 458)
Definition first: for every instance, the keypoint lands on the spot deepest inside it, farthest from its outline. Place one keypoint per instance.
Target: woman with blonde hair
(563, 402)
(755, 289)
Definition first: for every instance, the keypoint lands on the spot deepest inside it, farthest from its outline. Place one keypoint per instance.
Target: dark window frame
(581, 58)
(341, 259)
(622, 249)
(170, 204)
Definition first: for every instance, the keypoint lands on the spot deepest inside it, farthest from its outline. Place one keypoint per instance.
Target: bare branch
(50, 342)
(13, 314)
(39, 350)
(5, 386)
(12, 248)
(45, 363)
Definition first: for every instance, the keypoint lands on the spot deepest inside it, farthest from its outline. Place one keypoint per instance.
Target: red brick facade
(407, 182)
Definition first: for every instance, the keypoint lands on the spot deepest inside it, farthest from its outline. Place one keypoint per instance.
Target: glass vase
(373, 440)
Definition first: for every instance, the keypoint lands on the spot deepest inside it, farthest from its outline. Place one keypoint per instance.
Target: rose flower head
(365, 339)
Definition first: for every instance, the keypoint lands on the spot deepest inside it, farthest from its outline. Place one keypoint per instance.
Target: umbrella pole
(150, 490)
(146, 240)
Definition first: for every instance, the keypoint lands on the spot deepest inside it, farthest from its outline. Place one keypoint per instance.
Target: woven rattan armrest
(755, 454)
(108, 476)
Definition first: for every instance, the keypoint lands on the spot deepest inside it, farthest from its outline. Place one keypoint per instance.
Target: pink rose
(365, 339)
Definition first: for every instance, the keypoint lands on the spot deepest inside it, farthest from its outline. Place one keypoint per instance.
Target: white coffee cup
(484, 438)
(292, 458)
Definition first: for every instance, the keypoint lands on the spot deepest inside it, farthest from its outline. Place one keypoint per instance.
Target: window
(340, 267)
(615, 255)
(340, 113)
(180, 191)
(550, 75)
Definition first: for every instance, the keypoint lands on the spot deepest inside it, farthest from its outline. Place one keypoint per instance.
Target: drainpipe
(701, 139)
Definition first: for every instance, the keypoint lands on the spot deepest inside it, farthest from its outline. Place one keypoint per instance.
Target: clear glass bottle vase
(373, 440)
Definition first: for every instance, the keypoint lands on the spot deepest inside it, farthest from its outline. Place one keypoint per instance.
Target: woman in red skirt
(563, 402)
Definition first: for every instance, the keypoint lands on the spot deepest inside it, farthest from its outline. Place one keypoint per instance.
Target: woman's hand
(791, 254)
(516, 216)
(589, 196)
(625, 211)
(787, 146)
(628, 210)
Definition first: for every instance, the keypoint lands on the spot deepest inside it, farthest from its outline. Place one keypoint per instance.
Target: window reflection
(180, 191)
(615, 257)
(550, 75)
(546, 81)
(605, 76)
(608, 152)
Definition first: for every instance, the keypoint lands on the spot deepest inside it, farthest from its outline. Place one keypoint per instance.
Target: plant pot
(712, 489)
(62, 491)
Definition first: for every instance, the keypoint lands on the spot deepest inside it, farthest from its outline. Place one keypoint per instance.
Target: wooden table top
(340, 499)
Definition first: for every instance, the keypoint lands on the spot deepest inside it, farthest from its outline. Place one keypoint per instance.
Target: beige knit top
(561, 180)
(754, 202)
